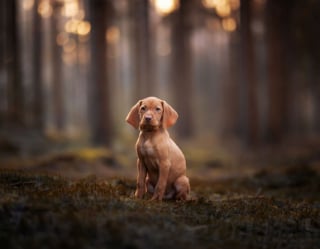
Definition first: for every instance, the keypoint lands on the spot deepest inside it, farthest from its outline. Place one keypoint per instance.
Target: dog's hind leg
(182, 187)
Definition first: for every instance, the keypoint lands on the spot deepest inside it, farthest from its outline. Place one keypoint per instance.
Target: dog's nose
(148, 118)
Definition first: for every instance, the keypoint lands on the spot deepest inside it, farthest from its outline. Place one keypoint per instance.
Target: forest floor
(83, 198)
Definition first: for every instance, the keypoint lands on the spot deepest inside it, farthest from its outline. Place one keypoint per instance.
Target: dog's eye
(143, 108)
(158, 109)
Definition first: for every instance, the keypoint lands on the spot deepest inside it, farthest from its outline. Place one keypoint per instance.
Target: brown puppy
(161, 164)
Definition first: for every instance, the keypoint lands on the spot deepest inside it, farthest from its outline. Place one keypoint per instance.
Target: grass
(48, 211)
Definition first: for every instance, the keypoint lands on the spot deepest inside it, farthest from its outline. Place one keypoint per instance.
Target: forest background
(244, 76)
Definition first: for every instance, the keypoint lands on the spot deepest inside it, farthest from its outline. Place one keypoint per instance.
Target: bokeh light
(112, 35)
(62, 38)
(223, 8)
(210, 4)
(83, 28)
(165, 7)
(45, 9)
(69, 46)
(229, 24)
(27, 4)
(71, 26)
(70, 8)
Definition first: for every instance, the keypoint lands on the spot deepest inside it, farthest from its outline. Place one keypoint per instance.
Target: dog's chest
(147, 148)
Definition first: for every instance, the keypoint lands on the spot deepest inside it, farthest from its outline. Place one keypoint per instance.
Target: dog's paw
(139, 193)
(157, 196)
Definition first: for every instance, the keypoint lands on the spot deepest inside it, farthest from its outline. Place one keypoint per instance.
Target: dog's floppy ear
(169, 116)
(133, 115)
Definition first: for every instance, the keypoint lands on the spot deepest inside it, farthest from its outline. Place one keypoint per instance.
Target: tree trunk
(181, 69)
(3, 60)
(142, 50)
(59, 117)
(277, 13)
(38, 103)
(13, 67)
(232, 121)
(249, 75)
(100, 111)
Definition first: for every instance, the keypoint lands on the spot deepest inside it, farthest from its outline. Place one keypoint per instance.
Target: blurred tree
(3, 59)
(10, 62)
(59, 115)
(278, 55)
(277, 37)
(306, 46)
(233, 121)
(142, 48)
(249, 88)
(101, 14)
(181, 67)
(38, 103)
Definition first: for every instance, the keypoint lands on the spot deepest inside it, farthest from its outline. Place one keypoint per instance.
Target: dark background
(243, 75)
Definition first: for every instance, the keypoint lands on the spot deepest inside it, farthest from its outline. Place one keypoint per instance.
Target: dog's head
(151, 113)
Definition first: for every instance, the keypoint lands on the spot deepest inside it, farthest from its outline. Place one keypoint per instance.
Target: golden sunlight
(210, 4)
(229, 24)
(83, 28)
(112, 35)
(223, 9)
(71, 26)
(165, 7)
(62, 38)
(27, 4)
(45, 9)
(70, 8)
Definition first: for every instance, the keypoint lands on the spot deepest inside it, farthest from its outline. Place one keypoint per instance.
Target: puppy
(161, 164)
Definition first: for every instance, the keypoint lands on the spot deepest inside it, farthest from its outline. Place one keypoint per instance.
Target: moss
(38, 211)
(82, 154)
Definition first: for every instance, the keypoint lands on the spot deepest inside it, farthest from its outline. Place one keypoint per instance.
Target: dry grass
(45, 211)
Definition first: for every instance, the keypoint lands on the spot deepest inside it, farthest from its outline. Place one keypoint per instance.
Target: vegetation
(271, 209)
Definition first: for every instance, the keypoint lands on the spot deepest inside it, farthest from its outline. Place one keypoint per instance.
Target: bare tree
(249, 87)
(181, 68)
(277, 13)
(38, 103)
(59, 115)
(3, 61)
(11, 62)
(99, 101)
(139, 11)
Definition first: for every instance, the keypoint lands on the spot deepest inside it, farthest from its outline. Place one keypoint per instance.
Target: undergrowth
(45, 211)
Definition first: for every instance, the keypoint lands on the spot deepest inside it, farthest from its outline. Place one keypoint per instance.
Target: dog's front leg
(162, 181)
(141, 179)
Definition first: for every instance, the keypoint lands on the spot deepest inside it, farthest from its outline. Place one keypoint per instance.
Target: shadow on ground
(84, 199)
(46, 211)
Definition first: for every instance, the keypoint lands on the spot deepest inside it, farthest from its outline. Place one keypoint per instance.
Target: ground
(60, 201)
(41, 211)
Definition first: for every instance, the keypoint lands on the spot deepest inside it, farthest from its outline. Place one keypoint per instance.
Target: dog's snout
(148, 118)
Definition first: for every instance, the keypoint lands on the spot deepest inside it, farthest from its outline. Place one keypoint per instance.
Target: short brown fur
(161, 164)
